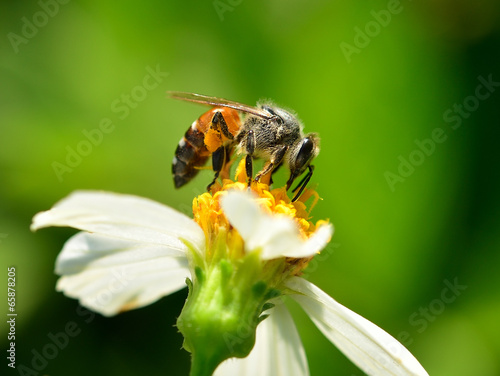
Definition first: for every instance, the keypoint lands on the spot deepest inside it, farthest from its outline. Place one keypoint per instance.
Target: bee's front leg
(275, 161)
(303, 183)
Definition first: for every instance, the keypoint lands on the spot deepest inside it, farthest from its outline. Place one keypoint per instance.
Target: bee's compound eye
(305, 153)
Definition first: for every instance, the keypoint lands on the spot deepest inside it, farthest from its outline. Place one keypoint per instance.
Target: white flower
(133, 251)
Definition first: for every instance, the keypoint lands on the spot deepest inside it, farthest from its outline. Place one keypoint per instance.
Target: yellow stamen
(208, 213)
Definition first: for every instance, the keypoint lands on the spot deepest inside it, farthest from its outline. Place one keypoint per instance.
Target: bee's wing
(213, 101)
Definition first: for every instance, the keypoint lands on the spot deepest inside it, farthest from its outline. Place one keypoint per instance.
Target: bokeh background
(375, 79)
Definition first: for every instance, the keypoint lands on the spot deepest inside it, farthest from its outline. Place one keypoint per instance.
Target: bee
(266, 131)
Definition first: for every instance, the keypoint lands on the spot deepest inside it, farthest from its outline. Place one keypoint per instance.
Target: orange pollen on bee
(214, 137)
(213, 140)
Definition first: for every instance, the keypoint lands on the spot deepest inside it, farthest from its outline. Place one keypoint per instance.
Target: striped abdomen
(192, 152)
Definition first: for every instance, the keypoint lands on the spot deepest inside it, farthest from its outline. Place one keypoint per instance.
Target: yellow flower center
(209, 215)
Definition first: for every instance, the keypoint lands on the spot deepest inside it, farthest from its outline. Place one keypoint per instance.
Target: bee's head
(301, 155)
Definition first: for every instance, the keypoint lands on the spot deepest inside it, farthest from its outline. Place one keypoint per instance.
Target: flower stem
(222, 311)
(201, 365)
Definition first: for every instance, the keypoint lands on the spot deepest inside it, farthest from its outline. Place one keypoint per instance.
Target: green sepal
(262, 318)
(267, 306)
(222, 311)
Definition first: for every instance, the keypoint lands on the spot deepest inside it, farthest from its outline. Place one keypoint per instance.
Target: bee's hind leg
(219, 123)
(218, 162)
(220, 157)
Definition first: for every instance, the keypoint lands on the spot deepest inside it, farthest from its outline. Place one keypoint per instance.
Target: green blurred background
(373, 79)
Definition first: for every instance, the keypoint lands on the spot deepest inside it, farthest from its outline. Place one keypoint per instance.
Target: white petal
(365, 344)
(124, 217)
(277, 351)
(276, 235)
(110, 275)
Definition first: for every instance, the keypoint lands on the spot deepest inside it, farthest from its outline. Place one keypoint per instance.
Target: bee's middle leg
(303, 183)
(250, 146)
